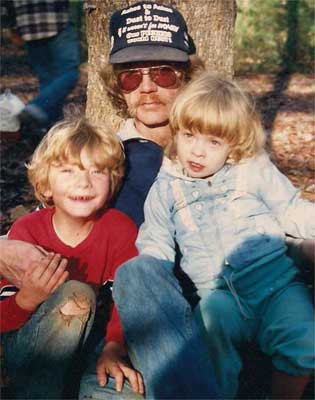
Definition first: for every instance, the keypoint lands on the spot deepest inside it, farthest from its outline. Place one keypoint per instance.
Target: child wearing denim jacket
(75, 171)
(220, 198)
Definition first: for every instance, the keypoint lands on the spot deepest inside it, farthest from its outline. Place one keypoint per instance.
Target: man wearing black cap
(150, 60)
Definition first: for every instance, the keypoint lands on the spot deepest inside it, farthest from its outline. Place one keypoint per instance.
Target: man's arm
(16, 257)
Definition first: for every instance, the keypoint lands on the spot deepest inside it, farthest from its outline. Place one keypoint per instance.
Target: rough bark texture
(210, 23)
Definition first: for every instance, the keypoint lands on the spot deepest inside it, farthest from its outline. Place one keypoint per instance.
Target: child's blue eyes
(93, 171)
(213, 142)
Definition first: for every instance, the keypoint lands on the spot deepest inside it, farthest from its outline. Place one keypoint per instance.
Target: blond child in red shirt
(75, 171)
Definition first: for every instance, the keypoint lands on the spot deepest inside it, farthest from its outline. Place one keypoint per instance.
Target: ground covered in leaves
(286, 103)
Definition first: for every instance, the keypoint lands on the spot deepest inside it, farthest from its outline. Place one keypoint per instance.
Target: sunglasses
(162, 75)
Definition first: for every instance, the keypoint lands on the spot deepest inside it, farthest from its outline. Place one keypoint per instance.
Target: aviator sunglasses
(162, 75)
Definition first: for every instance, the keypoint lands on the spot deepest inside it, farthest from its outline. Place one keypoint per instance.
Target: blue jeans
(90, 389)
(39, 356)
(56, 62)
(282, 326)
(164, 342)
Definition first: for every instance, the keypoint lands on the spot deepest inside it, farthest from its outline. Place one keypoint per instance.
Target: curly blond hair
(219, 107)
(63, 144)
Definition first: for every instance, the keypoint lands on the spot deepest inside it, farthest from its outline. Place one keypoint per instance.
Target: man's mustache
(144, 99)
(152, 98)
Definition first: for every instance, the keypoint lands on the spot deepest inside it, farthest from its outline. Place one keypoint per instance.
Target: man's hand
(111, 362)
(41, 281)
(16, 257)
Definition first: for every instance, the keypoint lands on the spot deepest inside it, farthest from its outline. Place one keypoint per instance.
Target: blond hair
(193, 68)
(63, 144)
(219, 107)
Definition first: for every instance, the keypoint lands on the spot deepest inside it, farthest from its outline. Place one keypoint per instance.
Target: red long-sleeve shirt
(94, 261)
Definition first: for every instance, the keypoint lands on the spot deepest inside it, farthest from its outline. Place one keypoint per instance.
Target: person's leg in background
(34, 116)
(56, 63)
(163, 340)
(38, 356)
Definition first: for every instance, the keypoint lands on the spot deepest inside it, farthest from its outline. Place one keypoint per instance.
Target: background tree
(273, 36)
(210, 23)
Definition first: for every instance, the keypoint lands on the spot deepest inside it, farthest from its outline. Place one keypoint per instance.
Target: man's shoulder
(143, 162)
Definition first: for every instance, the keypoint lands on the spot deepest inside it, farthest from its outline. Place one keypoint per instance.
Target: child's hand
(41, 281)
(111, 362)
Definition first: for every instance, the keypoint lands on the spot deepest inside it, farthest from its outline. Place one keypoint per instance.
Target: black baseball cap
(148, 31)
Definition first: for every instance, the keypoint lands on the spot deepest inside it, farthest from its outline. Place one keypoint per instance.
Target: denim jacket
(236, 218)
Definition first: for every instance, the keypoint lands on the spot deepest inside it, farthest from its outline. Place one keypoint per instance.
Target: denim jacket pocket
(257, 232)
(246, 205)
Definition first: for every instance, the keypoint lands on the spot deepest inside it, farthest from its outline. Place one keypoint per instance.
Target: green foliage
(274, 35)
(306, 46)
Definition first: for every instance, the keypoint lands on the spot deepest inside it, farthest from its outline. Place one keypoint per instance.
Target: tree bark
(210, 23)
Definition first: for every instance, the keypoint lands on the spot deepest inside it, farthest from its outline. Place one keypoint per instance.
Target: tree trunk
(210, 23)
